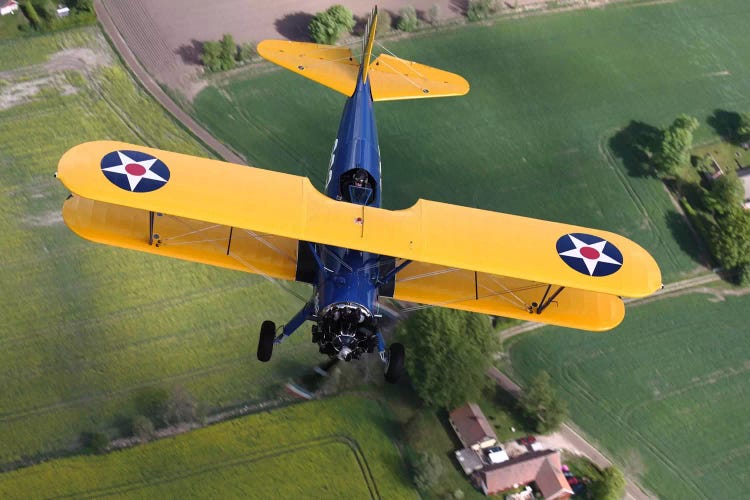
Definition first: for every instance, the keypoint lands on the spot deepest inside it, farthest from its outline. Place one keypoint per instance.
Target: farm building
(63, 11)
(541, 467)
(472, 427)
(8, 7)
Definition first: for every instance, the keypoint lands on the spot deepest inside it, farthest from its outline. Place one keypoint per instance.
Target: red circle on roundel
(590, 253)
(135, 169)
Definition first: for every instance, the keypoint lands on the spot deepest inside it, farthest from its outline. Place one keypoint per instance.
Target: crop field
(82, 325)
(531, 137)
(334, 448)
(666, 393)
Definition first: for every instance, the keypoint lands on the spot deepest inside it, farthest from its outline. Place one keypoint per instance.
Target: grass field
(339, 447)
(84, 325)
(548, 93)
(666, 394)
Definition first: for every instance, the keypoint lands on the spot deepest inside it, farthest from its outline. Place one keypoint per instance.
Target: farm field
(532, 135)
(339, 447)
(666, 393)
(84, 326)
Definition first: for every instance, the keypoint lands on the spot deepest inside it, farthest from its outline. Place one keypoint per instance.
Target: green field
(548, 92)
(84, 325)
(340, 447)
(666, 393)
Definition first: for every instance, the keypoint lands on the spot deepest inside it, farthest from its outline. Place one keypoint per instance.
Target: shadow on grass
(689, 241)
(725, 123)
(294, 26)
(632, 145)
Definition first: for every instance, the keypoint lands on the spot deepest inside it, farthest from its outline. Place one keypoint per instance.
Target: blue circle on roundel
(134, 171)
(589, 254)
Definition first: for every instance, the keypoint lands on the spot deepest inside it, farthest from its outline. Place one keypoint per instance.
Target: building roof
(471, 425)
(7, 3)
(469, 460)
(541, 467)
(744, 175)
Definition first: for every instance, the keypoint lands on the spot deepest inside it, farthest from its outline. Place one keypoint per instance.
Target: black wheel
(395, 367)
(265, 343)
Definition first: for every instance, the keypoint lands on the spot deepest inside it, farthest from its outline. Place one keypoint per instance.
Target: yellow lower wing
(182, 238)
(510, 297)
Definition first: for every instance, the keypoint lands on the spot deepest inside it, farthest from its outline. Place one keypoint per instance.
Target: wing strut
(151, 227)
(544, 304)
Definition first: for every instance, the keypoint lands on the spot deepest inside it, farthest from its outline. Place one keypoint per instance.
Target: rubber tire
(395, 368)
(265, 342)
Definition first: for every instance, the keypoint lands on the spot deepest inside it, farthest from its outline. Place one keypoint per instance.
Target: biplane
(350, 250)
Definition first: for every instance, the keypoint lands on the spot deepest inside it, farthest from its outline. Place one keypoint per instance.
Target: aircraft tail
(390, 77)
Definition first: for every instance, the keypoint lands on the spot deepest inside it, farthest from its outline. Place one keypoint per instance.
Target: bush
(142, 428)
(428, 468)
(151, 402)
(385, 22)
(407, 20)
(611, 486)
(480, 9)
(94, 442)
(433, 17)
(326, 27)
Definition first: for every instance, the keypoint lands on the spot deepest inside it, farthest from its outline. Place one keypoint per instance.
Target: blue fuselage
(354, 177)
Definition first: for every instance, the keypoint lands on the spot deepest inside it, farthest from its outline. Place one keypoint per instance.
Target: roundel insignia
(589, 254)
(134, 171)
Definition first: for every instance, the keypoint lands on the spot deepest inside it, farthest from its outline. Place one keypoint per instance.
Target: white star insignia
(135, 170)
(591, 254)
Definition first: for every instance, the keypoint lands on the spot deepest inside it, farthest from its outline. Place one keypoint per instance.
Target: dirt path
(568, 438)
(153, 88)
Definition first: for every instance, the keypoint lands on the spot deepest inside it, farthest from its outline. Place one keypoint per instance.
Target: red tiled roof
(471, 425)
(541, 467)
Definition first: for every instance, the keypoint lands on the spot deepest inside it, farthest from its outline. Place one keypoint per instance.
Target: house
(8, 7)
(744, 176)
(541, 467)
(472, 427)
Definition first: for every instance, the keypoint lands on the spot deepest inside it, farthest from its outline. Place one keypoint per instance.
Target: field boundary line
(149, 84)
(242, 460)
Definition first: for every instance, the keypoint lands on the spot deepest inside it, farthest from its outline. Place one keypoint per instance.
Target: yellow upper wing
(335, 67)
(290, 207)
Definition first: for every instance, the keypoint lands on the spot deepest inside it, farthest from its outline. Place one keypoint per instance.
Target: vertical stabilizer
(369, 41)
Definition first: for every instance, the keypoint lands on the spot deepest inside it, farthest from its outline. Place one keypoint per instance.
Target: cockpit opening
(358, 187)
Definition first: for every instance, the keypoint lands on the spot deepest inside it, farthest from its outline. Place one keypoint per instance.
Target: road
(153, 88)
(569, 439)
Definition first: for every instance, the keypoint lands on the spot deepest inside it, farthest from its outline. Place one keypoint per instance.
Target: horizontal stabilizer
(391, 78)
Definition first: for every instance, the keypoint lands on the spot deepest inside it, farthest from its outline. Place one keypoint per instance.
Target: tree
(611, 486)
(743, 128)
(428, 468)
(385, 22)
(433, 15)
(730, 237)
(181, 407)
(541, 405)
(327, 26)
(245, 53)
(480, 9)
(227, 51)
(142, 427)
(94, 442)
(211, 56)
(151, 402)
(407, 20)
(674, 146)
(726, 192)
(449, 352)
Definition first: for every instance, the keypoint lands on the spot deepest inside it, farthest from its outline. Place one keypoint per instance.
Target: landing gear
(265, 343)
(394, 366)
